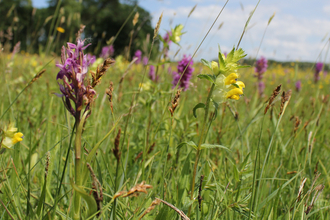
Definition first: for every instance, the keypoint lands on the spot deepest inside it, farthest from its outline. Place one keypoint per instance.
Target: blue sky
(298, 32)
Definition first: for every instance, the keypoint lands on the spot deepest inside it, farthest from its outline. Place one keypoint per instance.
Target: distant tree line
(47, 29)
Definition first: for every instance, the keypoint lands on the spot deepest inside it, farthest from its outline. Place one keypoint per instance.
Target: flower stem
(201, 138)
(77, 200)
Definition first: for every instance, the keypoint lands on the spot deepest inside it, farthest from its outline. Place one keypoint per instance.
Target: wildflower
(10, 136)
(60, 29)
(145, 60)
(298, 86)
(176, 33)
(318, 69)
(227, 85)
(261, 67)
(107, 51)
(227, 88)
(184, 73)
(138, 55)
(152, 74)
(90, 59)
(72, 73)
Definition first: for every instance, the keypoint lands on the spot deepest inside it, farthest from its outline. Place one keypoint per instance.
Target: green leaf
(91, 203)
(92, 153)
(245, 162)
(222, 64)
(234, 84)
(263, 203)
(189, 143)
(42, 198)
(207, 63)
(239, 54)
(230, 56)
(209, 146)
(199, 105)
(206, 76)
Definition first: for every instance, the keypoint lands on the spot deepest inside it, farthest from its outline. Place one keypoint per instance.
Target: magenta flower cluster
(138, 55)
(318, 69)
(71, 77)
(184, 73)
(107, 51)
(261, 67)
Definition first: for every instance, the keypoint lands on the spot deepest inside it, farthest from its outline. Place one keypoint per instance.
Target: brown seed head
(151, 207)
(101, 69)
(285, 97)
(276, 91)
(297, 123)
(37, 76)
(116, 150)
(109, 92)
(175, 102)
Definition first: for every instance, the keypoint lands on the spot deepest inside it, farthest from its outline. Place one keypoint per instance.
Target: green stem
(201, 138)
(254, 184)
(77, 200)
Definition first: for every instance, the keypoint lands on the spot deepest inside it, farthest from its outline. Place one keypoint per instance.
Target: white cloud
(287, 36)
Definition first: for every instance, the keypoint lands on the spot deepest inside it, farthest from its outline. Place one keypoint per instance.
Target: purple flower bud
(298, 86)
(185, 71)
(318, 69)
(138, 55)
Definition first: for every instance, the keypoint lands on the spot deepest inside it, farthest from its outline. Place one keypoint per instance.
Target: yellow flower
(60, 29)
(231, 78)
(227, 88)
(234, 94)
(10, 136)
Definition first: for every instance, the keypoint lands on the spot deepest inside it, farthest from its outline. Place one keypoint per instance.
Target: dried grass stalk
(181, 213)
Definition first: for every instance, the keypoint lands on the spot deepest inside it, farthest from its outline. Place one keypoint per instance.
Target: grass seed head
(101, 69)
(175, 102)
(157, 26)
(109, 92)
(150, 208)
(276, 91)
(116, 150)
(285, 97)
